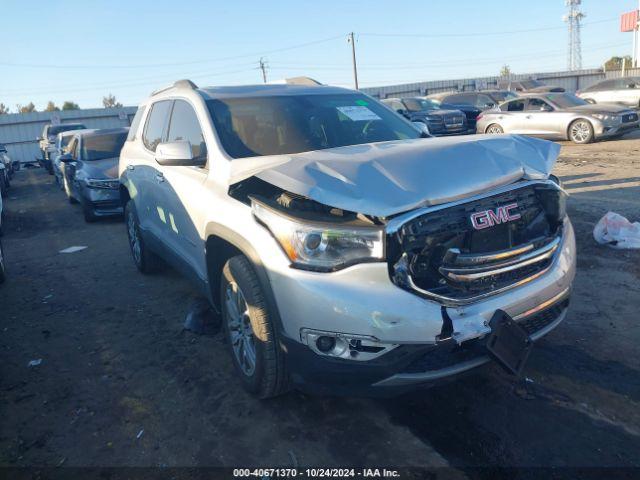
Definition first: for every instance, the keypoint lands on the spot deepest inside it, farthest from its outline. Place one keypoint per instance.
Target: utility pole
(353, 58)
(263, 67)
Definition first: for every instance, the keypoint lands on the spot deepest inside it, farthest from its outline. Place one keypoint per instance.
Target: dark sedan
(439, 121)
(470, 110)
(91, 171)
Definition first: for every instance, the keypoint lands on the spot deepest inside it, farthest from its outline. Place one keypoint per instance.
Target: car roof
(246, 91)
(93, 132)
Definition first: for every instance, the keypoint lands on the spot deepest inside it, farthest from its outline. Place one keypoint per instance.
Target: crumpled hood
(382, 179)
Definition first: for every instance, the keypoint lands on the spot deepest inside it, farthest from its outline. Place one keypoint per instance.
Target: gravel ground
(121, 384)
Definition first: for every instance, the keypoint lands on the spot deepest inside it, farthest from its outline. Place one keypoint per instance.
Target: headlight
(321, 246)
(605, 117)
(103, 183)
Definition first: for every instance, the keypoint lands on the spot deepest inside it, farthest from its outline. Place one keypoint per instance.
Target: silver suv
(345, 253)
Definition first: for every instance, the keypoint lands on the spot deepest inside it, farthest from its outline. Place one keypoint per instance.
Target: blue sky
(81, 50)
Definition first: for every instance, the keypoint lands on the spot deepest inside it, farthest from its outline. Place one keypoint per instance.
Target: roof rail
(184, 83)
(302, 81)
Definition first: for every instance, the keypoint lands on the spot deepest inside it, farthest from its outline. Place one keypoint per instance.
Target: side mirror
(177, 154)
(402, 112)
(422, 128)
(490, 105)
(65, 158)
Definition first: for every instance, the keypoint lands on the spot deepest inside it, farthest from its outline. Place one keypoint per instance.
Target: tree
(69, 105)
(110, 102)
(51, 107)
(3, 109)
(615, 63)
(505, 71)
(28, 108)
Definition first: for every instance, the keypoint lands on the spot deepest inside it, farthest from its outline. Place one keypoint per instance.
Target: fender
(245, 247)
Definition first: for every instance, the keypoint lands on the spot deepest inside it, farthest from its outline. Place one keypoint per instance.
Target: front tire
(581, 132)
(250, 330)
(494, 129)
(146, 261)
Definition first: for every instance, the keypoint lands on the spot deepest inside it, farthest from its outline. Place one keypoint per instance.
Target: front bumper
(103, 201)
(362, 300)
(603, 131)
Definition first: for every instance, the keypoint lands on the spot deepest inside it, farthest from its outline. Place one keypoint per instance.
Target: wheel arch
(568, 136)
(223, 243)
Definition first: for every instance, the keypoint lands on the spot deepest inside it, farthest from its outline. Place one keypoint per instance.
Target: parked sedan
(528, 86)
(62, 142)
(47, 141)
(439, 121)
(91, 171)
(624, 90)
(559, 116)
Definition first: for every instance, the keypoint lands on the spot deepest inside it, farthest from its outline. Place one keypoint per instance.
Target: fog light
(325, 344)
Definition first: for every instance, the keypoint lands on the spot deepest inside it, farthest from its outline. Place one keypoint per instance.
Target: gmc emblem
(489, 218)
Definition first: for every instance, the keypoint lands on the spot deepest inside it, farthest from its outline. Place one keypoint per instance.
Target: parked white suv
(345, 252)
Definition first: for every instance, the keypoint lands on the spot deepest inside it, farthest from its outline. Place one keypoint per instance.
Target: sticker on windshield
(362, 102)
(358, 113)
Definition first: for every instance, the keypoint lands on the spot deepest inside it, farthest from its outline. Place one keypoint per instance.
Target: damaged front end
(463, 252)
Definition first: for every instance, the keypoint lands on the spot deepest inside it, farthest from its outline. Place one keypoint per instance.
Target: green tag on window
(363, 103)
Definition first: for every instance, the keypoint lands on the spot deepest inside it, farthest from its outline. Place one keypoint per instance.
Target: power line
(479, 34)
(194, 62)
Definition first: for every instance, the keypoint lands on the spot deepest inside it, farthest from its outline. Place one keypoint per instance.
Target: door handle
(159, 177)
(528, 116)
(130, 167)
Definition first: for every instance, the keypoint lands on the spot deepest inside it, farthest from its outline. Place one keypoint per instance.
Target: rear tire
(250, 331)
(494, 129)
(581, 131)
(146, 261)
(3, 272)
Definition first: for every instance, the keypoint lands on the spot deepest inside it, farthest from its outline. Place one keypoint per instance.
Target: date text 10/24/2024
(315, 473)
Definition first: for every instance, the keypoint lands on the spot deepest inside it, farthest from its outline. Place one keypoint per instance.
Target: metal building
(20, 131)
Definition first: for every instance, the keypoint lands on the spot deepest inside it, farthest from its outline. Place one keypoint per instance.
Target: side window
(514, 106)
(483, 101)
(135, 124)
(72, 148)
(537, 105)
(184, 125)
(154, 129)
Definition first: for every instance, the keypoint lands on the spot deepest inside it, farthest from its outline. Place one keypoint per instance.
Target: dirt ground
(121, 383)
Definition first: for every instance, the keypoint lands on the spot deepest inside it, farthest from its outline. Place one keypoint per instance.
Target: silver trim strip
(482, 258)
(475, 273)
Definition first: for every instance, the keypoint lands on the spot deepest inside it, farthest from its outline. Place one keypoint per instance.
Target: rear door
(512, 116)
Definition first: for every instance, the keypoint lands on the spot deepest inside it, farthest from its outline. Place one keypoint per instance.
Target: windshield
(566, 100)
(503, 96)
(56, 129)
(420, 104)
(98, 147)
(278, 125)
(531, 83)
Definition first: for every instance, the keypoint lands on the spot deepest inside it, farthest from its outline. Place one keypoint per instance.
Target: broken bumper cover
(362, 300)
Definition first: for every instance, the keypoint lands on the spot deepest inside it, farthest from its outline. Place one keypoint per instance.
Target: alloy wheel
(240, 330)
(494, 130)
(580, 131)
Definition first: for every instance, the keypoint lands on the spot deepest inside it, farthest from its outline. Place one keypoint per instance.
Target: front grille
(632, 117)
(441, 255)
(449, 354)
(456, 120)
